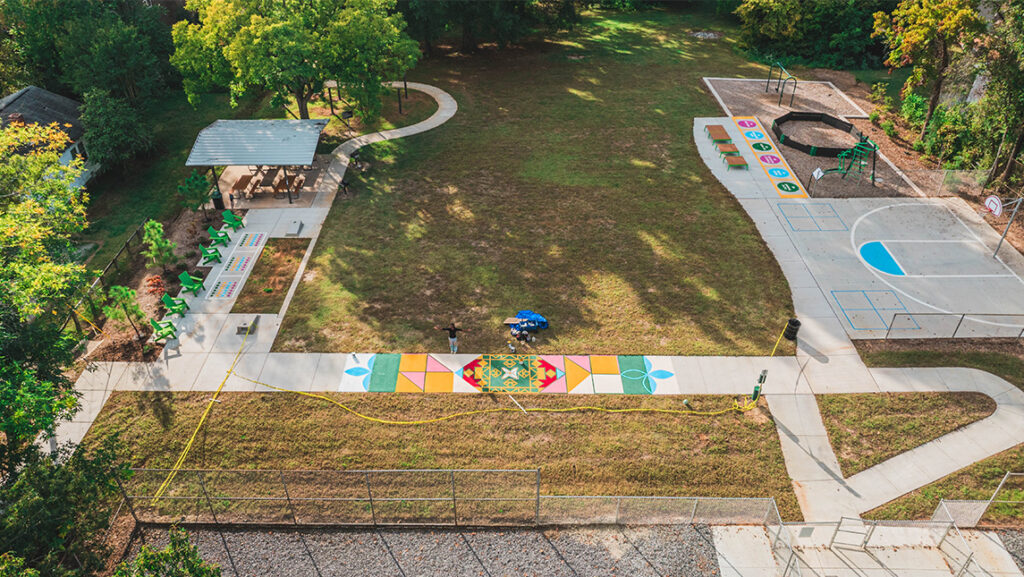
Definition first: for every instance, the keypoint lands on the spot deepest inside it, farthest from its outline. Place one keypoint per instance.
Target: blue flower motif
(647, 378)
(365, 372)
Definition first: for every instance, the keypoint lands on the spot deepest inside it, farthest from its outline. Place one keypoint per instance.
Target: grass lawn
(1003, 364)
(268, 283)
(866, 429)
(567, 183)
(731, 455)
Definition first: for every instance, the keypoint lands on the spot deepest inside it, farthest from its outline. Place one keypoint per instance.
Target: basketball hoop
(994, 205)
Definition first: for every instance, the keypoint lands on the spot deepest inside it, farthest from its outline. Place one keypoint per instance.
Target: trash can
(218, 200)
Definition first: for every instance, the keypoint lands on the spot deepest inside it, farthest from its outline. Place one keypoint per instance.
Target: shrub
(914, 108)
(114, 131)
(874, 116)
(889, 128)
(159, 251)
(879, 91)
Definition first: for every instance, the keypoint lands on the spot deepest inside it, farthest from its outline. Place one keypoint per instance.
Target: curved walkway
(829, 364)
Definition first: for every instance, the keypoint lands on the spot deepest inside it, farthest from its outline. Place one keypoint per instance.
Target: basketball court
(888, 267)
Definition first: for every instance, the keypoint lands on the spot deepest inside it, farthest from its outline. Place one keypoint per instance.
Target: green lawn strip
(867, 429)
(568, 183)
(976, 482)
(1004, 365)
(581, 453)
(268, 283)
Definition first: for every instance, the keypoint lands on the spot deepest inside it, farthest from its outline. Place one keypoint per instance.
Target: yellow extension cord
(184, 453)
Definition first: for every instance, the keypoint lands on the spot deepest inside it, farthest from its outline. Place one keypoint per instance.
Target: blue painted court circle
(778, 172)
(754, 135)
(878, 256)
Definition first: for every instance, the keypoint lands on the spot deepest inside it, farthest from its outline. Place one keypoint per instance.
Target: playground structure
(781, 82)
(853, 159)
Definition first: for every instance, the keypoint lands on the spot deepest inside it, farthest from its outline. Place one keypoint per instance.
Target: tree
(14, 73)
(159, 250)
(114, 131)
(1003, 49)
(195, 192)
(54, 513)
(926, 35)
(111, 55)
(124, 307)
(40, 209)
(179, 559)
(291, 49)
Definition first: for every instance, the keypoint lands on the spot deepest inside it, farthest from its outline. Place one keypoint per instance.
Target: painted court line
(771, 160)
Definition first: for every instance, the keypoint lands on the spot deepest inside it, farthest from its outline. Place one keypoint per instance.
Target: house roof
(279, 142)
(39, 106)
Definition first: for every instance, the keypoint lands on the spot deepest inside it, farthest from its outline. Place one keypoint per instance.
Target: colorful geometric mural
(503, 373)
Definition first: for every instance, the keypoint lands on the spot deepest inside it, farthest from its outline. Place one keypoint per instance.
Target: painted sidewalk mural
(425, 373)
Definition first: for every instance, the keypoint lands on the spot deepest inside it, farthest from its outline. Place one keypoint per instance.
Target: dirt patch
(748, 98)
(268, 284)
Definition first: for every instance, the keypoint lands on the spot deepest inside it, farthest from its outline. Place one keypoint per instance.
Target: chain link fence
(1004, 508)
(954, 326)
(942, 182)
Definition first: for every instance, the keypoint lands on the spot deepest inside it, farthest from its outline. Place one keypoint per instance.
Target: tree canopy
(926, 35)
(178, 559)
(291, 49)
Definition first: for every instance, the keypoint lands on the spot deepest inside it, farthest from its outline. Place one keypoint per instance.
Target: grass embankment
(568, 183)
(268, 283)
(731, 455)
(868, 429)
(1003, 359)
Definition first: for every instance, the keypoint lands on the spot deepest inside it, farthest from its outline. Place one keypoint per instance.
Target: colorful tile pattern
(252, 239)
(238, 264)
(787, 185)
(223, 289)
(503, 373)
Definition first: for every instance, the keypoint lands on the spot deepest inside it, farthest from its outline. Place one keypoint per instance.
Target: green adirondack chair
(191, 284)
(218, 237)
(210, 254)
(173, 305)
(232, 221)
(163, 330)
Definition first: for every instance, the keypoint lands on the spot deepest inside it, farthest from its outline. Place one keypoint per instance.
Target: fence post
(455, 509)
(960, 322)
(618, 506)
(295, 517)
(220, 531)
(369, 493)
(536, 520)
(693, 513)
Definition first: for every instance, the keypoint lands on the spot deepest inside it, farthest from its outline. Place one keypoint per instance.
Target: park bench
(727, 150)
(210, 254)
(218, 237)
(232, 221)
(735, 162)
(163, 330)
(717, 133)
(173, 305)
(191, 284)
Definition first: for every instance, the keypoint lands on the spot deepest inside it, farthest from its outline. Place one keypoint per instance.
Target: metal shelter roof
(279, 142)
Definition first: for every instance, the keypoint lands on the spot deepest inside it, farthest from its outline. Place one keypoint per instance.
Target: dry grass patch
(586, 453)
(268, 283)
(867, 429)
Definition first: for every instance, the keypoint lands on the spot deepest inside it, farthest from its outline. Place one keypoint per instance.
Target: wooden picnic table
(717, 133)
(270, 177)
(292, 182)
(241, 186)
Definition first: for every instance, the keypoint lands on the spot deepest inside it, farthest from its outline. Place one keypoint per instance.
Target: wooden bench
(735, 162)
(717, 133)
(727, 150)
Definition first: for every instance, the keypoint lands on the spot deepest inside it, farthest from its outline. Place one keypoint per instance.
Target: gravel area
(1014, 542)
(748, 98)
(660, 551)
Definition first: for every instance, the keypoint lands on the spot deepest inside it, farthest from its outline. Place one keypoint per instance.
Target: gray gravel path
(663, 551)
(1014, 542)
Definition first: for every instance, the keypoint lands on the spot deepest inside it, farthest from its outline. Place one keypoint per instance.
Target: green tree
(927, 35)
(179, 559)
(14, 73)
(106, 53)
(291, 49)
(114, 131)
(159, 250)
(195, 192)
(1003, 50)
(55, 509)
(11, 566)
(40, 209)
(124, 307)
